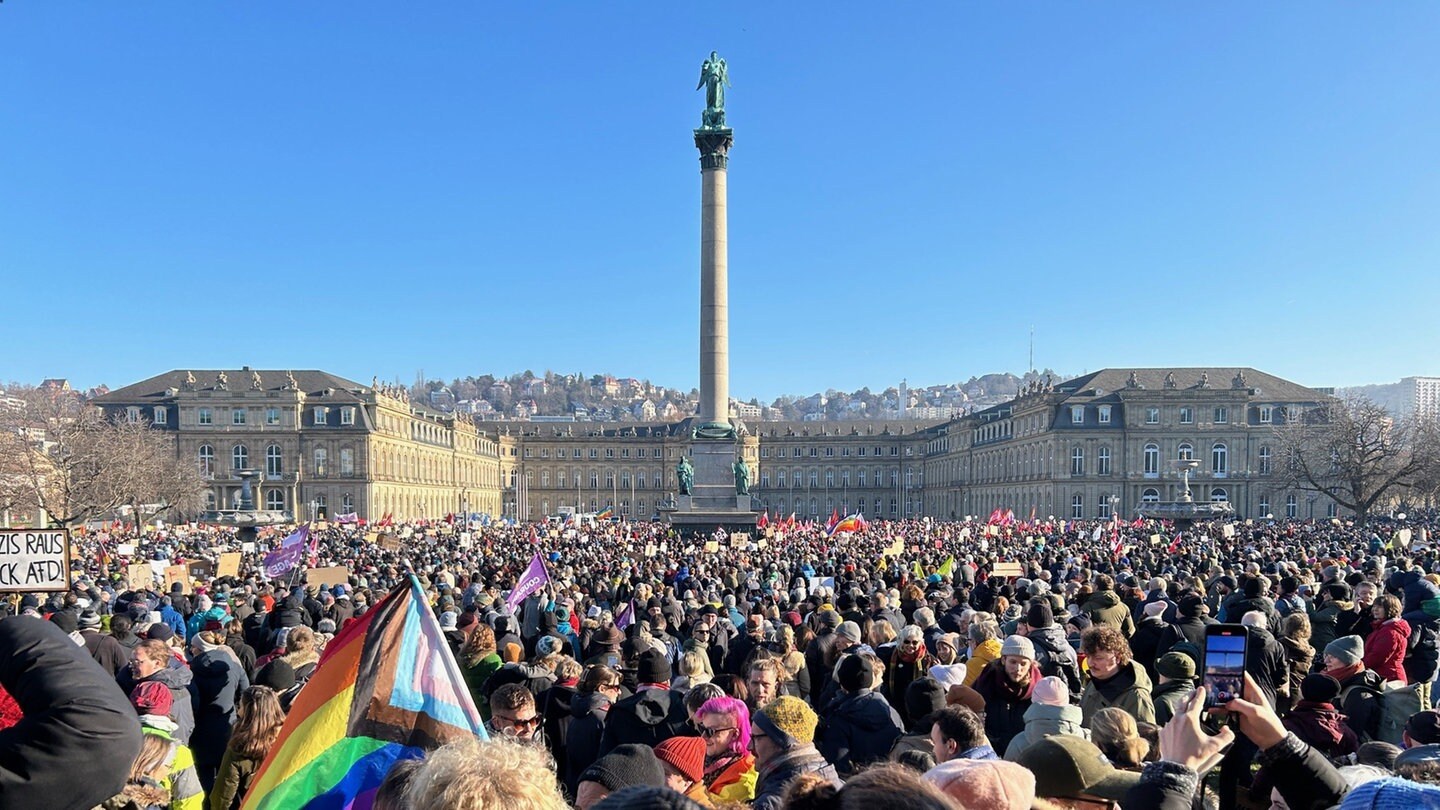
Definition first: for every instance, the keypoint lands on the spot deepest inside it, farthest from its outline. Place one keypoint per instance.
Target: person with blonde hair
(258, 719)
(1117, 736)
(478, 661)
(469, 774)
(147, 785)
(694, 670)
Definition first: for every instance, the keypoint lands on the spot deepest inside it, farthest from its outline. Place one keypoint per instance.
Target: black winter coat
(857, 730)
(74, 746)
(648, 718)
(582, 738)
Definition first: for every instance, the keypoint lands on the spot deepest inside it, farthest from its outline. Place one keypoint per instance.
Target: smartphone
(1225, 648)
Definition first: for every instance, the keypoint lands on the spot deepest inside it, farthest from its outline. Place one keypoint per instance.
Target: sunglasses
(707, 732)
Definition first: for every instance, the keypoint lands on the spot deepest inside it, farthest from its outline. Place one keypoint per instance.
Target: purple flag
(625, 616)
(282, 560)
(531, 581)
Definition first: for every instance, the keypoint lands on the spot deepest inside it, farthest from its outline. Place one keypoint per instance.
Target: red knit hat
(151, 697)
(684, 754)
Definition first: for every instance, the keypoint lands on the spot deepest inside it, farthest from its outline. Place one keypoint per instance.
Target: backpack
(1401, 703)
(1370, 702)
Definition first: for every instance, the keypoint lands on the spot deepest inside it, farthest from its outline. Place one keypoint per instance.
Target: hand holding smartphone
(1226, 646)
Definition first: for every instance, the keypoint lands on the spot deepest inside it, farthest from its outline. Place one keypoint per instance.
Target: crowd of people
(893, 667)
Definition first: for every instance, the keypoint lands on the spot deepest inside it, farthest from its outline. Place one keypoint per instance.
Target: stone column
(714, 146)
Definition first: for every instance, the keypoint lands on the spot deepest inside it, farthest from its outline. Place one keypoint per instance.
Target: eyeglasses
(515, 722)
(707, 732)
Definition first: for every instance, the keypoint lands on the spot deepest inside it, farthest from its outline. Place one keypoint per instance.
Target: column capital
(714, 146)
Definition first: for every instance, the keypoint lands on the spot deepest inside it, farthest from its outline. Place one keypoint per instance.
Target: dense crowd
(892, 667)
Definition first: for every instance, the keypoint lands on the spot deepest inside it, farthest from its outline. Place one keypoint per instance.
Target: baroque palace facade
(1112, 439)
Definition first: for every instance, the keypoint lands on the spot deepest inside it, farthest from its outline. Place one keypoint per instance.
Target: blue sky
(374, 188)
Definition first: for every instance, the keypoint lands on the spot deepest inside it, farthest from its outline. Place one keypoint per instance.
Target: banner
(229, 565)
(1006, 569)
(334, 575)
(139, 576)
(531, 581)
(34, 560)
(176, 574)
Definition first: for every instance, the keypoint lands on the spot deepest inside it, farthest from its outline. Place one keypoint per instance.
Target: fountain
(246, 518)
(1185, 511)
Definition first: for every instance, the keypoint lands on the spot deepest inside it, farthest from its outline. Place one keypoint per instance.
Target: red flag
(764, 520)
(1115, 535)
(995, 517)
(1175, 545)
(834, 519)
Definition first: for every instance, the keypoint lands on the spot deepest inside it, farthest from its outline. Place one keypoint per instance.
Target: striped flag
(387, 688)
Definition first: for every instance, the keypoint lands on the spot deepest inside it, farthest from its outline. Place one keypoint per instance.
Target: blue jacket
(857, 730)
(172, 619)
(781, 771)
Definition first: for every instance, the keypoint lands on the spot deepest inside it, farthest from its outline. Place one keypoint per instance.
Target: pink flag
(282, 560)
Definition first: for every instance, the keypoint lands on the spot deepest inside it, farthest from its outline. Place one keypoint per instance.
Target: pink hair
(736, 709)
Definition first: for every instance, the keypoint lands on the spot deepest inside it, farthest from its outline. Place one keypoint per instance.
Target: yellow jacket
(985, 653)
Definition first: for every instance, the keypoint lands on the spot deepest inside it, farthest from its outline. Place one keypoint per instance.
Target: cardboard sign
(1006, 569)
(321, 526)
(334, 575)
(138, 576)
(229, 565)
(372, 537)
(390, 541)
(247, 547)
(739, 537)
(34, 560)
(1228, 530)
(711, 546)
(200, 569)
(125, 549)
(174, 574)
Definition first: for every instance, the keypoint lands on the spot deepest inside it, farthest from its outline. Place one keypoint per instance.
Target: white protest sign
(34, 560)
(125, 549)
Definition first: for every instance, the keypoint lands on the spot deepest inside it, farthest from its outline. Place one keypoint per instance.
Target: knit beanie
(277, 675)
(924, 696)
(1155, 608)
(788, 720)
(89, 619)
(684, 754)
(1391, 794)
(1051, 691)
(64, 620)
(1317, 687)
(1177, 666)
(1189, 606)
(849, 630)
(653, 667)
(855, 673)
(1348, 650)
(160, 631)
(1253, 587)
(1018, 645)
(151, 697)
(990, 783)
(626, 765)
(1039, 614)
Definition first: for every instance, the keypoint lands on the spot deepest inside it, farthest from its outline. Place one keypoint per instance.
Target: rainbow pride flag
(387, 688)
(606, 513)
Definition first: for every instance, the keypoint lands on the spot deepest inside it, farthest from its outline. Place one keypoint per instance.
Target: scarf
(1342, 673)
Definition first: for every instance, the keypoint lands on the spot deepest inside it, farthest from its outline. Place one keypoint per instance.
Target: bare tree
(1354, 452)
(63, 457)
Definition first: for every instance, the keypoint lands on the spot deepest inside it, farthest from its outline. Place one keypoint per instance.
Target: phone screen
(1224, 666)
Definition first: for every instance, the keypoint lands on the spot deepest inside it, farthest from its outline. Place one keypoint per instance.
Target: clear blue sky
(467, 187)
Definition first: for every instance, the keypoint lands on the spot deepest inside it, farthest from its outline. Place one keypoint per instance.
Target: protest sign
(390, 541)
(139, 575)
(712, 546)
(229, 565)
(174, 574)
(1006, 569)
(200, 569)
(1228, 530)
(34, 560)
(125, 549)
(248, 547)
(334, 575)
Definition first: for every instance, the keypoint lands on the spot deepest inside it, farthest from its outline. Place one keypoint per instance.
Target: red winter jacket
(1385, 649)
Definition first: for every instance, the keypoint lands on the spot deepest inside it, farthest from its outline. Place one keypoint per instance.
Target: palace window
(1222, 414)
(1267, 414)
(1187, 415)
(1185, 452)
(274, 499)
(237, 416)
(161, 416)
(1219, 459)
(274, 464)
(1152, 416)
(1077, 506)
(239, 457)
(1292, 506)
(1104, 414)
(1151, 495)
(322, 415)
(1152, 459)
(272, 416)
(206, 457)
(1077, 461)
(1102, 461)
(203, 417)
(1265, 506)
(1265, 460)
(1219, 495)
(347, 503)
(347, 416)
(347, 462)
(1077, 414)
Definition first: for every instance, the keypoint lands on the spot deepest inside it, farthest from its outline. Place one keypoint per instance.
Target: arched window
(322, 462)
(347, 503)
(1152, 460)
(1185, 452)
(594, 480)
(1265, 459)
(1292, 506)
(1150, 495)
(1077, 506)
(321, 505)
(274, 465)
(347, 462)
(206, 458)
(545, 480)
(240, 457)
(1219, 458)
(1102, 461)
(1077, 461)
(814, 506)
(1219, 495)
(274, 499)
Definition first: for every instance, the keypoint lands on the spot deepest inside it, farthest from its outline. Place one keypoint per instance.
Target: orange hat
(684, 754)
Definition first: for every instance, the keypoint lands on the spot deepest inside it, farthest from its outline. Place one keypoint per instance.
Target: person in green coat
(258, 719)
(478, 661)
(1115, 680)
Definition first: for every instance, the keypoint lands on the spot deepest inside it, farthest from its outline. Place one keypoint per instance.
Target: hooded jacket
(1167, 697)
(1043, 721)
(1005, 704)
(1323, 728)
(587, 726)
(1105, 607)
(180, 681)
(1055, 655)
(648, 718)
(219, 681)
(856, 730)
(1323, 626)
(1385, 649)
(71, 711)
(1128, 689)
(1423, 657)
(782, 770)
